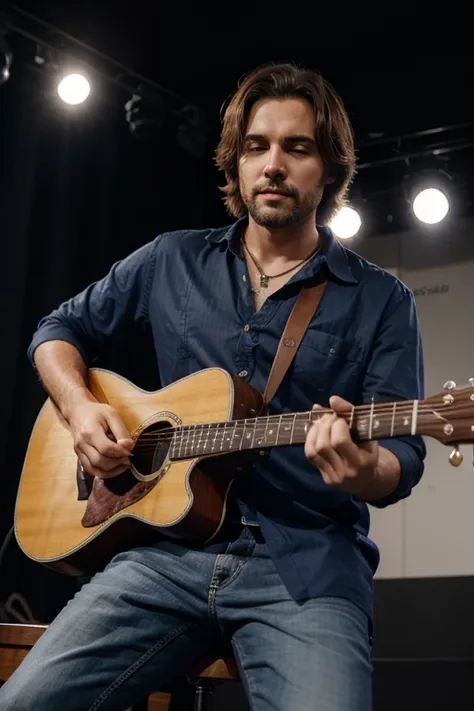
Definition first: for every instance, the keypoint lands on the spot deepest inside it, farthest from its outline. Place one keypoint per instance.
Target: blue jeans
(155, 610)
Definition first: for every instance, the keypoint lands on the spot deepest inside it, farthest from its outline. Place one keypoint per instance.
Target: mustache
(284, 189)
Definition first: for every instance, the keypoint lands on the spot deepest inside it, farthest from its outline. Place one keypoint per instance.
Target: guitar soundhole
(152, 447)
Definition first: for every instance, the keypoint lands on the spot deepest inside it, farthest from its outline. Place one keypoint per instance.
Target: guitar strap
(305, 307)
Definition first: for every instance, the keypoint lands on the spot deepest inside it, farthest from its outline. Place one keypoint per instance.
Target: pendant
(263, 280)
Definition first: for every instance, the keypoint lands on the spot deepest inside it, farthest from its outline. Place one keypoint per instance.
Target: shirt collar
(334, 254)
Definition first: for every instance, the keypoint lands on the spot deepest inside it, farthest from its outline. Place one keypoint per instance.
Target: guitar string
(191, 435)
(401, 405)
(194, 429)
(184, 439)
(400, 411)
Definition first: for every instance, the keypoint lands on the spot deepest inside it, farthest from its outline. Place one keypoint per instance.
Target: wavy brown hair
(334, 134)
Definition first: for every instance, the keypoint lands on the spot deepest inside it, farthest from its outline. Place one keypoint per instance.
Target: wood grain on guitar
(191, 439)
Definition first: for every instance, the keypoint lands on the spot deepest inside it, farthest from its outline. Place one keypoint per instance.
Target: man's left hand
(343, 464)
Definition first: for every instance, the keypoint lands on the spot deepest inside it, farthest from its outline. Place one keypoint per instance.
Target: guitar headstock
(448, 416)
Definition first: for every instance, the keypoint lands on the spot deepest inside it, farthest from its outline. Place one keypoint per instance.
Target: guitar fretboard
(367, 421)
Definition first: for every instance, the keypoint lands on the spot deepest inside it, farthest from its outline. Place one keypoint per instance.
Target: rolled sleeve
(56, 332)
(395, 373)
(411, 456)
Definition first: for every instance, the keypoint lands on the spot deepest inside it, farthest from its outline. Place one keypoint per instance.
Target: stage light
(431, 205)
(146, 115)
(74, 89)
(346, 223)
(431, 195)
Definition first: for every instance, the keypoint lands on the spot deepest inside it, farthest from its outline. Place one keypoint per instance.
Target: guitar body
(191, 439)
(75, 523)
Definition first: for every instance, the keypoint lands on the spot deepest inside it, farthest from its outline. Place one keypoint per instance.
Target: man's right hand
(101, 440)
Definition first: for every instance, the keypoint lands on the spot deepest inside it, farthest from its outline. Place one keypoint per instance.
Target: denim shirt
(191, 288)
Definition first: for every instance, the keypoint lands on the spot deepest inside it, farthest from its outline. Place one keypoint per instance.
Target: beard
(292, 210)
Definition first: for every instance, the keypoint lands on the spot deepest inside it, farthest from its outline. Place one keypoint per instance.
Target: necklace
(264, 278)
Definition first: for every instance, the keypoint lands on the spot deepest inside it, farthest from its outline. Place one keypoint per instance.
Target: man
(288, 581)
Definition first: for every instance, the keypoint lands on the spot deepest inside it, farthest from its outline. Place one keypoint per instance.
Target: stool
(16, 640)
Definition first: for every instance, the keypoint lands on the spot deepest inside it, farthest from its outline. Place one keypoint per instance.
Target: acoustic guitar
(191, 440)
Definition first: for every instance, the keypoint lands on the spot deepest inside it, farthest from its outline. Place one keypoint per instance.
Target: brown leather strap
(303, 310)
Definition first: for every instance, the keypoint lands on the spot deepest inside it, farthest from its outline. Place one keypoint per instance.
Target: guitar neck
(367, 422)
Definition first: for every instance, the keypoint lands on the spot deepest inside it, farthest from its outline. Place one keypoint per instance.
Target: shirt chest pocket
(329, 364)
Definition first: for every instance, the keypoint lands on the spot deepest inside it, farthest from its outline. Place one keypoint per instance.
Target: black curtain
(77, 193)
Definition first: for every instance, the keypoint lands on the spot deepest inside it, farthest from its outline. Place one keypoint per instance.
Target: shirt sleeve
(103, 311)
(395, 372)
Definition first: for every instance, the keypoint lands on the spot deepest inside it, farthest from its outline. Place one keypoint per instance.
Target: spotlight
(346, 223)
(74, 89)
(431, 206)
(430, 195)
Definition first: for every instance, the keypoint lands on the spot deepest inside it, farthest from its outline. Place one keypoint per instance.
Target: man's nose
(275, 168)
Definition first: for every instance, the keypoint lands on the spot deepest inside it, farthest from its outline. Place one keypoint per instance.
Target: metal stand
(204, 696)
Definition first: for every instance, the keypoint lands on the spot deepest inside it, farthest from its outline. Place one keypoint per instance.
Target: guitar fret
(189, 445)
(392, 428)
(200, 441)
(293, 429)
(414, 417)
(234, 436)
(260, 438)
(207, 436)
(271, 435)
(268, 432)
(247, 433)
(242, 435)
(228, 438)
(214, 441)
(371, 419)
(287, 429)
(254, 433)
(277, 439)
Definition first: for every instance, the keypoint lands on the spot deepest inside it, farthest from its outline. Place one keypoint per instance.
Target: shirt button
(244, 278)
(243, 373)
(246, 328)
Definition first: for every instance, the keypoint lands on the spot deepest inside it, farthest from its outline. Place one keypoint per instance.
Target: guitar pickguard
(107, 497)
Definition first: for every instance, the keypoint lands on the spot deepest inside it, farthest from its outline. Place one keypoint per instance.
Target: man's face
(280, 155)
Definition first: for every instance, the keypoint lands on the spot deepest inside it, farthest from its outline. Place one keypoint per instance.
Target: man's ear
(330, 179)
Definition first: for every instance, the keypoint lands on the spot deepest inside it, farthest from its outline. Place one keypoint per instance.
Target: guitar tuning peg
(449, 385)
(456, 457)
(471, 382)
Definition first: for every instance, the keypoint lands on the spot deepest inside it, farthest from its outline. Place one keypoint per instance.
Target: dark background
(78, 192)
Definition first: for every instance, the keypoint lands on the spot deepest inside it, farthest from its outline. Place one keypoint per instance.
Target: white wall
(432, 532)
